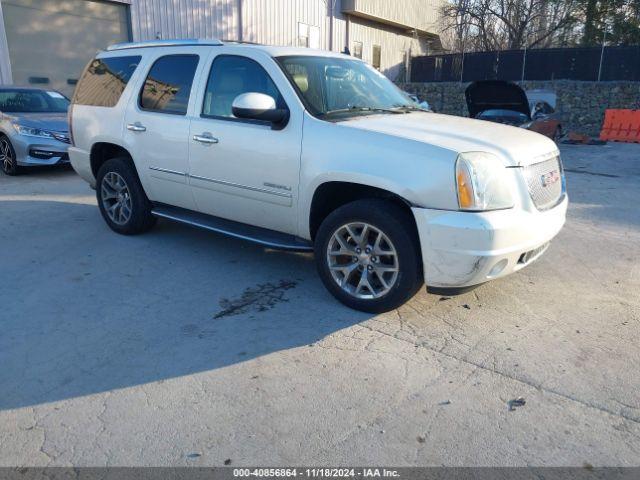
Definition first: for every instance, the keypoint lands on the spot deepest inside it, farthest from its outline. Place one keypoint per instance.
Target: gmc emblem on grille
(550, 178)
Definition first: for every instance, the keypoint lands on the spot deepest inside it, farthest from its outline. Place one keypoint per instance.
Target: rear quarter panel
(93, 124)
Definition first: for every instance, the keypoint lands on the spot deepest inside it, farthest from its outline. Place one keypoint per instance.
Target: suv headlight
(482, 182)
(32, 132)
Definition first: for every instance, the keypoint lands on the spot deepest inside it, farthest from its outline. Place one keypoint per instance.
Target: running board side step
(262, 236)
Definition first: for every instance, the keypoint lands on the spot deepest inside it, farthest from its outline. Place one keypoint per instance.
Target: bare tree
(508, 24)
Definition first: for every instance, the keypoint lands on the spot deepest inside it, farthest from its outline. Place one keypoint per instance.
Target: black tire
(10, 166)
(140, 219)
(398, 225)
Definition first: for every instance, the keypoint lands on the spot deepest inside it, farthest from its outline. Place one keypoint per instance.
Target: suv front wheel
(368, 256)
(121, 198)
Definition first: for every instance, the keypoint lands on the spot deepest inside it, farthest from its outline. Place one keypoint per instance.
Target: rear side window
(104, 80)
(168, 85)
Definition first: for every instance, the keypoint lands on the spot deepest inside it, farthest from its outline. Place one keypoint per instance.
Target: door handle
(205, 138)
(136, 127)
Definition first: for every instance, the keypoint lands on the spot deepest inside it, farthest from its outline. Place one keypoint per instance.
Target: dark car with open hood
(507, 103)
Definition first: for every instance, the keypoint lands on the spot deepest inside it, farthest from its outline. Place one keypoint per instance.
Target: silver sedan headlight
(32, 132)
(482, 182)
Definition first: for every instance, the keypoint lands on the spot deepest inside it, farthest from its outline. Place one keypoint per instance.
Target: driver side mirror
(258, 106)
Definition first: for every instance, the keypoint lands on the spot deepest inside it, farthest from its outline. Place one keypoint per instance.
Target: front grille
(544, 180)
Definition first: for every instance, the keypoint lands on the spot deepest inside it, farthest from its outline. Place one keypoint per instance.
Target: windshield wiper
(357, 108)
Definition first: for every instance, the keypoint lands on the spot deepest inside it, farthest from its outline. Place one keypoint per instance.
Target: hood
(517, 146)
(56, 122)
(496, 94)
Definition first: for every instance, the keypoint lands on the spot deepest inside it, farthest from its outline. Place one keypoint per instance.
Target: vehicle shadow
(86, 311)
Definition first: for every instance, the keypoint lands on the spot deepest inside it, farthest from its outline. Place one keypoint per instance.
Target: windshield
(342, 87)
(32, 101)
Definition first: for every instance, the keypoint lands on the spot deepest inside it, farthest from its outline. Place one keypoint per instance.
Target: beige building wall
(5, 64)
(271, 22)
(396, 45)
(52, 40)
(319, 23)
(420, 14)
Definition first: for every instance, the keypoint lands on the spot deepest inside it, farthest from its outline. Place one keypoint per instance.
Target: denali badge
(275, 185)
(550, 178)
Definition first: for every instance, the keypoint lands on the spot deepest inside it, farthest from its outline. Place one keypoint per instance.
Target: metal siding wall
(422, 14)
(393, 45)
(275, 22)
(272, 22)
(5, 64)
(184, 19)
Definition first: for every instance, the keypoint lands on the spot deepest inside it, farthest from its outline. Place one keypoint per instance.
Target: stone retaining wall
(581, 104)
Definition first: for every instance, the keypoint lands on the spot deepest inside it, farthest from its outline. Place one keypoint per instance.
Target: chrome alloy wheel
(116, 198)
(362, 260)
(6, 156)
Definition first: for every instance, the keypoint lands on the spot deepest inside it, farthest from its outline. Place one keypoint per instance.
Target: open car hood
(496, 94)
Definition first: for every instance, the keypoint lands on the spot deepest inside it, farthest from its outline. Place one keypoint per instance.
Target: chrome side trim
(238, 185)
(166, 170)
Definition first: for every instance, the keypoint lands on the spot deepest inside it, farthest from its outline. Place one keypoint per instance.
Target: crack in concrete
(537, 386)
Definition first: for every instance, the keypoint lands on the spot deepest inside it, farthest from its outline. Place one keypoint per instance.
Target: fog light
(43, 154)
(498, 268)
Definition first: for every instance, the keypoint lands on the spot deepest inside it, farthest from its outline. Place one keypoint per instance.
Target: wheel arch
(330, 195)
(103, 151)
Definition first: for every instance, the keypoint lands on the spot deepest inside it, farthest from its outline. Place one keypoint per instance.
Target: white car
(313, 151)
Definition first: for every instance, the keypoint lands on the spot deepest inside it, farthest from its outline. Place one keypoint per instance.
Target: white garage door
(50, 41)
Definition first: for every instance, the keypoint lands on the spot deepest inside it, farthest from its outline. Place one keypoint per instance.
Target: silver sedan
(33, 128)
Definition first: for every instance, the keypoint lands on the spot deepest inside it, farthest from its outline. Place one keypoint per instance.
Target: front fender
(420, 173)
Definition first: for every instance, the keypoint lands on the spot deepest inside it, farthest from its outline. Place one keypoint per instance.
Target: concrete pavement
(182, 347)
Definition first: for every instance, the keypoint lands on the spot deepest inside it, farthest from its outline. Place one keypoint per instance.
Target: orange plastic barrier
(621, 126)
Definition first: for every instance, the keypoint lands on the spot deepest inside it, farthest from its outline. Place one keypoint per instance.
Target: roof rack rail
(166, 43)
(241, 42)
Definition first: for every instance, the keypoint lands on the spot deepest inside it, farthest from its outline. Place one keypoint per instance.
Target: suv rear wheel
(121, 198)
(368, 256)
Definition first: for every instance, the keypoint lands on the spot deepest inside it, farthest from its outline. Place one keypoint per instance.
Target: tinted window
(168, 85)
(357, 50)
(33, 101)
(104, 80)
(377, 55)
(231, 76)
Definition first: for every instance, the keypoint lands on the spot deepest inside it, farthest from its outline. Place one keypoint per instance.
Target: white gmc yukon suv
(313, 151)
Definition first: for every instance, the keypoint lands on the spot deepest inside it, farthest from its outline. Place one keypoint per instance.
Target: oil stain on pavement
(259, 298)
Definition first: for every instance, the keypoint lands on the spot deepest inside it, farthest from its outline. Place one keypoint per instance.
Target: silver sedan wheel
(362, 260)
(116, 198)
(5, 156)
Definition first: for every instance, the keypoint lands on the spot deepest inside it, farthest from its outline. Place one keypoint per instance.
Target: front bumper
(461, 249)
(33, 151)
